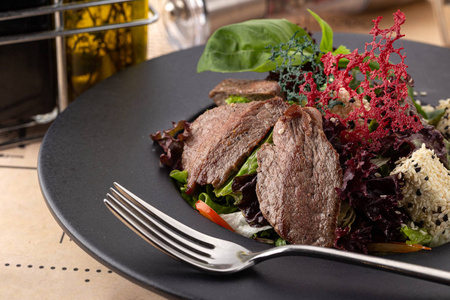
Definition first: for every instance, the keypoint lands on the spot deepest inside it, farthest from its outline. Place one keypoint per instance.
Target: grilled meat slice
(254, 90)
(297, 179)
(223, 137)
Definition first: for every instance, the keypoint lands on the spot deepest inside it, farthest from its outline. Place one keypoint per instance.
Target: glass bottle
(93, 57)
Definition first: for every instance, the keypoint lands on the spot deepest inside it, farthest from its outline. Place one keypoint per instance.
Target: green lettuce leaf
(236, 99)
(416, 236)
(249, 167)
(180, 176)
(341, 50)
(416, 105)
(435, 116)
(180, 179)
(221, 205)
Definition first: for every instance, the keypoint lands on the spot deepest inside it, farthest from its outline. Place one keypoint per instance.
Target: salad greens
(248, 168)
(236, 99)
(369, 212)
(326, 44)
(416, 236)
(432, 117)
(221, 205)
(244, 47)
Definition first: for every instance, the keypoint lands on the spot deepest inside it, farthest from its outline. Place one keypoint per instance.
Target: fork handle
(389, 265)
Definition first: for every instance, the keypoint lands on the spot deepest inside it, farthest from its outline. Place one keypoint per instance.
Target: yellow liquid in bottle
(92, 57)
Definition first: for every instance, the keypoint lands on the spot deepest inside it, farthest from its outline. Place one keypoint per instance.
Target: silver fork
(219, 256)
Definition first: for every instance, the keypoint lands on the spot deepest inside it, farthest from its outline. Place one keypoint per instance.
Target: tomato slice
(210, 214)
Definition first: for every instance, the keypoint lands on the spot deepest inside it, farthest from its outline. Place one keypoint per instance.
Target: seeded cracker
(426, 193)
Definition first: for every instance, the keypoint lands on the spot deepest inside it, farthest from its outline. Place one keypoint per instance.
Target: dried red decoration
(387, 97)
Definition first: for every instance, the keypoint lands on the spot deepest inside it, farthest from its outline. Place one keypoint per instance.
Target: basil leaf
(243, 47)
(326, 44)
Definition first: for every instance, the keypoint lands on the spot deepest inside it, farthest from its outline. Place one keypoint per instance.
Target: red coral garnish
(386, 87)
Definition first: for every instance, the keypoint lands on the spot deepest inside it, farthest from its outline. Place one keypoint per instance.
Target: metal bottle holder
(58, 33)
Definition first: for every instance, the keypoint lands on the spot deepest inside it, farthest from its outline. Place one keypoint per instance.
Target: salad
(384, 177)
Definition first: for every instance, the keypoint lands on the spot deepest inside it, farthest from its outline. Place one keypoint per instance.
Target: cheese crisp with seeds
(426, 193)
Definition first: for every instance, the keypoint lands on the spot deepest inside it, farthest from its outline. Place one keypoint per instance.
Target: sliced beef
(205, 126)
(254, 90)
(297, 179)
(223, 137)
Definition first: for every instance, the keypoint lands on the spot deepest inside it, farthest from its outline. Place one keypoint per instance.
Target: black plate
(104, 137)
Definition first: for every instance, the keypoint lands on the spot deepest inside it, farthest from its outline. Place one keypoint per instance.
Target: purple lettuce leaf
(172, 143)
(249, 204)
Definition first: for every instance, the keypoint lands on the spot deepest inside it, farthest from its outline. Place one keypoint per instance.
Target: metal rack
(58, 33)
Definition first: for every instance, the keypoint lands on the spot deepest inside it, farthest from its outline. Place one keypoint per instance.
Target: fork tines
(164, 232)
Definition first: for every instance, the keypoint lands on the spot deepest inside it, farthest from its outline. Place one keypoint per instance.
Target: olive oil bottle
(92, 57)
